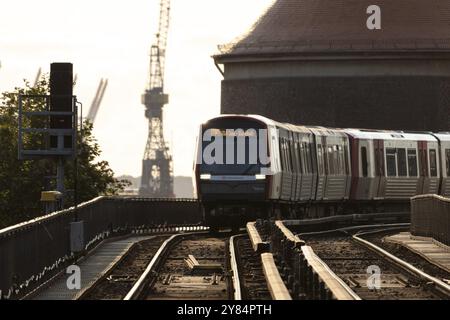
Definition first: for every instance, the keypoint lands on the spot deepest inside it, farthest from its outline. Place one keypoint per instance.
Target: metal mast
(157, 178)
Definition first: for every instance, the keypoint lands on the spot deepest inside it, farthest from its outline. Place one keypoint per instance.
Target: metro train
(249, 167)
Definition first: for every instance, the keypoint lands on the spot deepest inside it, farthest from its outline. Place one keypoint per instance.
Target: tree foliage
(21, 182)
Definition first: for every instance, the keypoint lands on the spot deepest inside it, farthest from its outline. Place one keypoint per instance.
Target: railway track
(190, 266)
(269, 262)
(201, 266)
(250, 275)
(118, 281)
(407, 255)
(360, 265)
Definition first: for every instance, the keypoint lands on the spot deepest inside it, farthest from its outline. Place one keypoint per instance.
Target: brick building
(316, 62)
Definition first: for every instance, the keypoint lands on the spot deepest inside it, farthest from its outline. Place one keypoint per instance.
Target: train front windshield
(234, 147)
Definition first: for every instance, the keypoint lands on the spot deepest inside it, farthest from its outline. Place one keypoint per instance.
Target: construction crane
(38, 77)
(97, 100)
(157, 176)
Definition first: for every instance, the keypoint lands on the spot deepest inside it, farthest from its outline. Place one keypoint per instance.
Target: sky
(111, 39)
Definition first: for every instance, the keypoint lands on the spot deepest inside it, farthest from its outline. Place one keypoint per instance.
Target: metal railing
(32, 252)
(430, 217)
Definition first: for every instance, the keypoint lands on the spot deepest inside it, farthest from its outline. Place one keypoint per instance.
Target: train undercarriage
(218, 215)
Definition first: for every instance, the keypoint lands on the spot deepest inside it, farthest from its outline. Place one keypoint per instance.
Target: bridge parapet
(34, 251)
(430, 217)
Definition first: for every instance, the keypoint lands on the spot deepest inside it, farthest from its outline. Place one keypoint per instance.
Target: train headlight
(205, 177)
(260, 176)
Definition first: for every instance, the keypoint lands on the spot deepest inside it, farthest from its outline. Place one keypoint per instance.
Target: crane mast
(95, 106)
(157, 176)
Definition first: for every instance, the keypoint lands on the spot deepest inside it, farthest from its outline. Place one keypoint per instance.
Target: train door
(380, 171)
(275, 162)
(300, 175)
(286, 171)
(413, 171)
(445, 160)
(423, 167)
(312, 155)
(296, 174)
(321, 167)
(336, 177)
(347, 165)
(365, 184)
(307, 171)
(434, 171)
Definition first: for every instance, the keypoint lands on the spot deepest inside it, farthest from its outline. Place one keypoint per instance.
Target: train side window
(320, 168)
(312, 156)
(347, 169)
(291, 159)
(289, 154)
(412, 163)
(364, 162)
(286, 152)
(447, 161)
(326, 169)
(342, 157)
(338, 159)
(286, 155)
(391, 162)
(282, 155)
(433, 163)
(308, 158)
(401, 162)
(330, 160)
(286, 159)
(381, 161)
(302, 151)
(295, 156)
(305, 159)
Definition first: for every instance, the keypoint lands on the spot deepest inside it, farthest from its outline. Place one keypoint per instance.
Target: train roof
(389, 135)
(443, 136)
(259, 118)
(368, 134)
(322, 131)
(266, 121)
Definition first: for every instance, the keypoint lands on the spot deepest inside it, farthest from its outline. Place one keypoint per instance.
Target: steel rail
(235, 269)
(142, 282)
(346, 218)
(391, 226)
